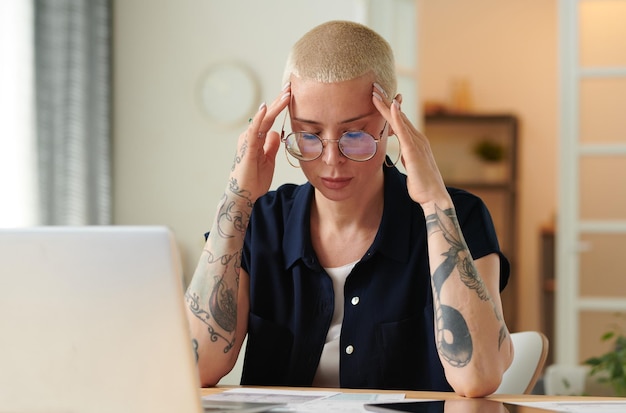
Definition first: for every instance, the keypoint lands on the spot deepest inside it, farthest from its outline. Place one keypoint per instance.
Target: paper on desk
(308, 401)
(581, 406)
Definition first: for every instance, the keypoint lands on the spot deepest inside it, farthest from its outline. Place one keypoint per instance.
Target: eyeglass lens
(356, 145)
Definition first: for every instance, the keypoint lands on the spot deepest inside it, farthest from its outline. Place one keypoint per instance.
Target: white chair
(530, 352)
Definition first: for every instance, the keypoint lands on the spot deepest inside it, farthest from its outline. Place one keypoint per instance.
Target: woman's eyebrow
(350, 120)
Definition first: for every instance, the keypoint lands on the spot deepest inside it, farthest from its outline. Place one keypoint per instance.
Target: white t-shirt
(327, 374)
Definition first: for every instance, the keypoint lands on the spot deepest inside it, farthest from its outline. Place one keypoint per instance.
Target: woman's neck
(360, 212)
(343, 231)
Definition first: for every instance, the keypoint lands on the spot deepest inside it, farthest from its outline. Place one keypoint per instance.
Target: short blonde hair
(342, 50)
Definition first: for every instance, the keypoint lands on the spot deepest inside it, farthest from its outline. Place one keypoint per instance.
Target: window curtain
(72, 98)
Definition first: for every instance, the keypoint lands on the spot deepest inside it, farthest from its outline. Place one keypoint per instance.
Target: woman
(362, 277)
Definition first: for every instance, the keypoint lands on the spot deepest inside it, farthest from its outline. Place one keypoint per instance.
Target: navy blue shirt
(389, 326)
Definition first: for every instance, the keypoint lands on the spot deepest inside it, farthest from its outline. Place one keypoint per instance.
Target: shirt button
(349, 350)
(355, 300)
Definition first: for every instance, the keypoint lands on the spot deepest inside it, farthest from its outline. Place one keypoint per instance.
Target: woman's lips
(336, 183)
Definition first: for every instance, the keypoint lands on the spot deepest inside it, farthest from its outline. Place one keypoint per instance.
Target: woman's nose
(331, 153)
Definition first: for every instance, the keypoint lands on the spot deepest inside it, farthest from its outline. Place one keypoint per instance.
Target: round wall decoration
(229, 93)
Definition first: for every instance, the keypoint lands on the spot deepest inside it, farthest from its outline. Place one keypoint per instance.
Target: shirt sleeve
(478, 230)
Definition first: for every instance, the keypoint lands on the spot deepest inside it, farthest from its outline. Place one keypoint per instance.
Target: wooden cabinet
(478, 153)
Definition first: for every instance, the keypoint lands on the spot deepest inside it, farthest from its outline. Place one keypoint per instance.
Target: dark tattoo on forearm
(229, 215)
(239, 156)
(453, 336)
(502, 334)
(194, 344)
(231, 219)
(194, 305)
(215, 336)
(223, 305)
(446, 222)
(233, 186)
(218, 308)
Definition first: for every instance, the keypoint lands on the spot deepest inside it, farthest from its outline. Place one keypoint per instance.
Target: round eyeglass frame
(284, 139)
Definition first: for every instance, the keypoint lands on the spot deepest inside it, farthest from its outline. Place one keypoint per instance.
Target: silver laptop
(92, 320)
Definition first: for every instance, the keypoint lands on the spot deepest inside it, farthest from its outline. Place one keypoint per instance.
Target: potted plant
(491, 153)
(611, 366)
(489, 150)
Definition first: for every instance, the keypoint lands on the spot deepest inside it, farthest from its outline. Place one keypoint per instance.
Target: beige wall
(171, 161)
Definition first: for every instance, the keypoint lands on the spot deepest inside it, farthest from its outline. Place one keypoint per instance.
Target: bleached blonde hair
(342, 50)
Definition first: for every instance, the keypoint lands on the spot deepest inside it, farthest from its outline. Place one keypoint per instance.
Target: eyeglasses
(357, 146)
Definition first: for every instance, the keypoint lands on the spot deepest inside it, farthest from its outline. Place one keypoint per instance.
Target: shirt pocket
(268, 353)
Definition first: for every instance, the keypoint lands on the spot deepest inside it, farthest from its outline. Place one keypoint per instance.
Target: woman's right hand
(253, 167)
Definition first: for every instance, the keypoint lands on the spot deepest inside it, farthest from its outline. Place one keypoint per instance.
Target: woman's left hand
(424, 180)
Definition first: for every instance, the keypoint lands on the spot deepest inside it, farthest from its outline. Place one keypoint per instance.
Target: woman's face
(329, 110)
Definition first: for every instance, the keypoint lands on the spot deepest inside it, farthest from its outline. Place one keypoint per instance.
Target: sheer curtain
(72, 89)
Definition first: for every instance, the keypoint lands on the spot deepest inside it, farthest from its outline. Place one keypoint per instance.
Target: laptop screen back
(92, 320)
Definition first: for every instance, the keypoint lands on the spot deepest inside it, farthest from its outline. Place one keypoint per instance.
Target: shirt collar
(393, 237)
(297, 240)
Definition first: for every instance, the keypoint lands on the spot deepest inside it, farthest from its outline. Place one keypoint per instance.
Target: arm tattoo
(223, 305)
(233, 186)
(453, 337)
(194, 344)
(192, 301)
(223, 298)
(218, 308)
(229, 215)
(231, 219)
(446, 222)
(239, 156)
(454, 341)
(194, 306)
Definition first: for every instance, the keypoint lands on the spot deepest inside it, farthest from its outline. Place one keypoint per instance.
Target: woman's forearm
(471, 335)
(214, 293)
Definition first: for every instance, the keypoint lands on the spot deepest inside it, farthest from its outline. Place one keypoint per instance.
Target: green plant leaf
(593, 361)
(613, 362)
(608, 335)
